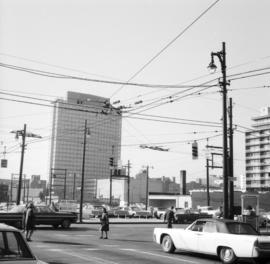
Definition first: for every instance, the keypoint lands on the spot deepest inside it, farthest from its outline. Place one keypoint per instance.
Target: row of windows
(251, 175)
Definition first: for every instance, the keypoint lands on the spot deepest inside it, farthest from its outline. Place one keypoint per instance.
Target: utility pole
(23, 134)
(222, 58)
(83, 166)
(74, 185)
(65, 184)
(231, 173)
(128, 199)
(111, 172)
(147, 187)
(207, 181)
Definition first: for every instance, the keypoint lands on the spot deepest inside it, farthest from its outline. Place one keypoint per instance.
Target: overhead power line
(165, 47)
(71, 77)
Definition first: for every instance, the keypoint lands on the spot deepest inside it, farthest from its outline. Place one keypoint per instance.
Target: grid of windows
(102, 142)
(258, 155)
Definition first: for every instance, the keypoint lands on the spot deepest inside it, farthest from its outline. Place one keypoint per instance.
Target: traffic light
(111, 161)
(194, 150)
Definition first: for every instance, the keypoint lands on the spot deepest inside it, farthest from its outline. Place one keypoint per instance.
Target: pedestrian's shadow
(67, 229)
(65, 243)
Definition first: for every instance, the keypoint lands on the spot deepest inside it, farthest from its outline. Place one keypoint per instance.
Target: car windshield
(241, 229)
(13, 247)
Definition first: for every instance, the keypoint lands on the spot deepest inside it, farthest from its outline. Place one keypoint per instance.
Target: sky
(115, 40)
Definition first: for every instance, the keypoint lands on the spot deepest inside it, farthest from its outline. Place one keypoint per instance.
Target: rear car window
(241, 229)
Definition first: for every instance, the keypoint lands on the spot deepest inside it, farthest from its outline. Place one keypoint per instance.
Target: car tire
(66, 223)
(167, 244)
(227, 255)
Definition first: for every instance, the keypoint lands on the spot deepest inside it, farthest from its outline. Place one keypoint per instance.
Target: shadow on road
(132, 240)
(68, 229)
(65, 243)
(197, 255)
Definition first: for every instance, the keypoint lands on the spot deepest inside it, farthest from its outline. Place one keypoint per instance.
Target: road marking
(162, 256)
(68, 235)
(99, 260)
(91, 249)
(111, 245)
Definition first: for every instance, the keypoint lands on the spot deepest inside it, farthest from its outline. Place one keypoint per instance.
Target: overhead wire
(165, 47)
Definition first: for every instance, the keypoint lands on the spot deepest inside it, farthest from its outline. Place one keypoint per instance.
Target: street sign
(4, 163)
(232, 178)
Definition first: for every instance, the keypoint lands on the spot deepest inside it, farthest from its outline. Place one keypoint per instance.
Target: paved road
(130, 244)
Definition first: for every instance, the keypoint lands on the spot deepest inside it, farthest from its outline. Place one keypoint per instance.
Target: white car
(227, 239)
(13, 247)
(208, 210)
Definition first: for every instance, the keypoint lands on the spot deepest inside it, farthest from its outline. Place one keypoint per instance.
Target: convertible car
(44, 216)
(227, 239)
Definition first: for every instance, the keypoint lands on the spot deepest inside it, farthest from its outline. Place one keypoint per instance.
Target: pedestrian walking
(104, 221)
(23, 217)
(170, 217)
(29, 221)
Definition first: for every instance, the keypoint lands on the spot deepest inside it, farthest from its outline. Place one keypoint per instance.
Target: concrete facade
(258, 153)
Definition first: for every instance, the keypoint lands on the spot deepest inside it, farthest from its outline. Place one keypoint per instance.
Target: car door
(207, 239)
(191, 235)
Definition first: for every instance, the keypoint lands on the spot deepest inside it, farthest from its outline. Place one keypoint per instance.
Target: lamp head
(212, 66)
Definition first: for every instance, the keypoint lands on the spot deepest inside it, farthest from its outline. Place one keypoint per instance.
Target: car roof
(4, 227)
(220, 220)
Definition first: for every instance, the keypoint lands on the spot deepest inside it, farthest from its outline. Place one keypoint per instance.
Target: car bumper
(261, 253)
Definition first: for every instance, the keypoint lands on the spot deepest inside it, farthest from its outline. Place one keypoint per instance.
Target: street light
(222, 58)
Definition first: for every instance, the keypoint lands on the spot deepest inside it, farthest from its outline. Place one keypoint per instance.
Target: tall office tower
(258, 153)
(102, 144)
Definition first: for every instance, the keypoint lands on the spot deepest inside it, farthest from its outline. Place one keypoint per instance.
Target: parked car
(97, 210)
(13, 247)
(124, 212)
(159, 213)
(187, 216)
(44, 216)
(264, 218)
(228, 239)
(138, 212)
(87, 211)
(209, 210)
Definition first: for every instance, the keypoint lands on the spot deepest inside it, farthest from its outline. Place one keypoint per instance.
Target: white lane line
(160, 256)
(99, 260)
(91, 249)
(68, 235)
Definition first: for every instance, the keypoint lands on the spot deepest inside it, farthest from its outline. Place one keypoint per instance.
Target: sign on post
(4, 163)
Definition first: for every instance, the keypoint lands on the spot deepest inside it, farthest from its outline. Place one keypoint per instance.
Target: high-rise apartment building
(103, 139)
(258, 153)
